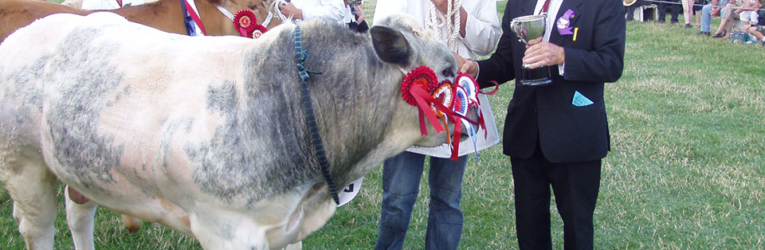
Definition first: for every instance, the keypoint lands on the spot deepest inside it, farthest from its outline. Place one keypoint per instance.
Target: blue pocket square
(580, 100)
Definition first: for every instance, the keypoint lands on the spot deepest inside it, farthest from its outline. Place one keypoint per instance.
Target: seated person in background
(728, 14)
(757, 31)
(673, 6)
(631, 5)
(707, 12)
(749, 18)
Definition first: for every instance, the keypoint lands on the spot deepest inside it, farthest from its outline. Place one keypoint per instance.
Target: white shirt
(552, 11)
(481, 36)
(482, 27)
(108, 4)
(321, 9)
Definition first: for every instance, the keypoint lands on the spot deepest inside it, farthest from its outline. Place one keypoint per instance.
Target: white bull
(207, 135)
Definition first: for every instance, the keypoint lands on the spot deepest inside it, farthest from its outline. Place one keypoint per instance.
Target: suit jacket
(546, 115)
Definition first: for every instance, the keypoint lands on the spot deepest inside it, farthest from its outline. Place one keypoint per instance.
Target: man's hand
(715, 12)
(290, 10)
(540, 54)
(359, 13)
(469, 67)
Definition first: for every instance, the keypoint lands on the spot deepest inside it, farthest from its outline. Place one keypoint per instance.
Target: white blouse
(321, 9)
(482, 31)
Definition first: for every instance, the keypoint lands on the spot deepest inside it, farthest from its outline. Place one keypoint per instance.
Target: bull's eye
(253, 6)
(448, 72)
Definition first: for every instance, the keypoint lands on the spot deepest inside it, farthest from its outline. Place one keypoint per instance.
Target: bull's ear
(391, 46)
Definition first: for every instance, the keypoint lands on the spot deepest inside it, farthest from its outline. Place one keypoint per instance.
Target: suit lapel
(527, 7)
(574, 5)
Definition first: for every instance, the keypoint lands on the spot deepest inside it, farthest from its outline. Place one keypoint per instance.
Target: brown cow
(165, 15)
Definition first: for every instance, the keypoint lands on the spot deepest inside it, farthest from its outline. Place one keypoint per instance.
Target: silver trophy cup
(529, 28)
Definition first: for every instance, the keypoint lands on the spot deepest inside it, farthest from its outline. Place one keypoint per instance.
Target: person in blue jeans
(708, 11)
(470, 28)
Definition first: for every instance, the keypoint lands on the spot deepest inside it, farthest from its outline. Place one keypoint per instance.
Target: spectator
(687, 12)
(631, 5)
(757, 31)
(674, 9)
(748, 16)
(301, 10)
(707, 12)
(697, 11)
(475, 29)
(728, 14)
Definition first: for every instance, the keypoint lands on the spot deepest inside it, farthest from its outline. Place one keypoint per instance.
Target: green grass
(686, 170)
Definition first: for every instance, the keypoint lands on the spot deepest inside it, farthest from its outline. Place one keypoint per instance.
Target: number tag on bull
(350, 191)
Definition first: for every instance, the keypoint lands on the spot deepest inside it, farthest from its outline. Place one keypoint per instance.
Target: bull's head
(398, 40)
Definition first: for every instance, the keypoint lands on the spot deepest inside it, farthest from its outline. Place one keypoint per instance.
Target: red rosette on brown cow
(246, 23)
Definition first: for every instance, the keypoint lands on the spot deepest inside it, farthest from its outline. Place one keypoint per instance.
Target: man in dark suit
(557, 134)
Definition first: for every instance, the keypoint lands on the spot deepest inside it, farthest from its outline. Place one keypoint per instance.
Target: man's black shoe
(704, 33)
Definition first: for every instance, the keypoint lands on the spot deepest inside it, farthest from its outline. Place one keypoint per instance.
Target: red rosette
(259, 30)
(245, 19)
(421, 76)
(246, 23)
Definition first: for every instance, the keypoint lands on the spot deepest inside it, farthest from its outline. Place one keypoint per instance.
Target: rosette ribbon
(419, 89)
(416, 89)
(246, 23)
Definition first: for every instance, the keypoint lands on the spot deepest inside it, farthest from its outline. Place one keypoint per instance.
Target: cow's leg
(79, 217)
(32, 188)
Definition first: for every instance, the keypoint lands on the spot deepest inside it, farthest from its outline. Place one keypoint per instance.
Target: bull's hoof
(131, 224)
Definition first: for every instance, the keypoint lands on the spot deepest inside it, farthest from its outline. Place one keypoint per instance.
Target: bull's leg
(79, 217)
(294, 246)
(217, 231)
(32, 188)
(131, 223)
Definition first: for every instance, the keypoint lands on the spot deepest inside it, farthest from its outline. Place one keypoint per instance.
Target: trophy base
(536, 77)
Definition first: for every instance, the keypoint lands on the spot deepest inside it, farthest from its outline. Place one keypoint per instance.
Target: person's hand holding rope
(290, 10)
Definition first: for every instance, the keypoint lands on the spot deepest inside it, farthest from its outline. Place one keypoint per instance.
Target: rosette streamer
(470, 86)
(461, 104)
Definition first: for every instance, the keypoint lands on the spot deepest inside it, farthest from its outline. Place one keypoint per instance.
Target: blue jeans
(706, 14)
(401, 182)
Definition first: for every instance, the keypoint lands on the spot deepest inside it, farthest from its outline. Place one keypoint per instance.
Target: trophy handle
(517, 27)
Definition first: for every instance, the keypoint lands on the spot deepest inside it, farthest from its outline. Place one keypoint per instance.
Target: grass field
(686, 170)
